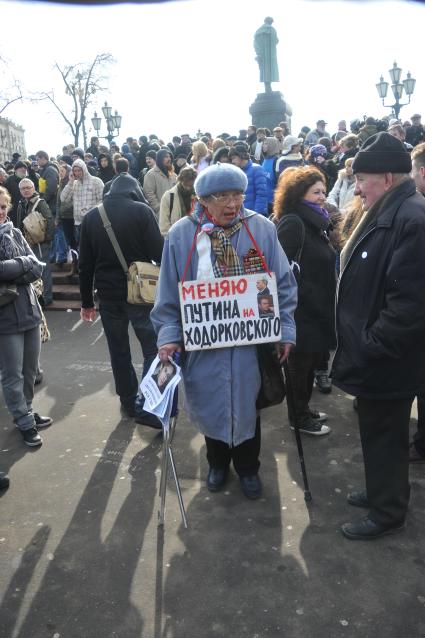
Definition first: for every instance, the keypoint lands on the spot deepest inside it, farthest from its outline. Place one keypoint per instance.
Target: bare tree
(82, 82)
(11, 90)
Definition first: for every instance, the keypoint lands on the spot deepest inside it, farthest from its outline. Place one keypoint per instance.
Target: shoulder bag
(35, 226)
(142, 276)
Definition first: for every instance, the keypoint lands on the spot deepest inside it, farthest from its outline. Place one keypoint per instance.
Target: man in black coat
(139, 238)
(380, 317)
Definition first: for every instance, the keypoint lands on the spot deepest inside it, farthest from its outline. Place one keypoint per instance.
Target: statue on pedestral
(265, 42)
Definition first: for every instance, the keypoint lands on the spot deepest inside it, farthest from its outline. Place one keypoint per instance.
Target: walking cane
(291, 405)
(167, 456)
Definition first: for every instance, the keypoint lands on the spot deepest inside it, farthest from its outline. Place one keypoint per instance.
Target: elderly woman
(20, 318)
(222, 384)
(303, 226)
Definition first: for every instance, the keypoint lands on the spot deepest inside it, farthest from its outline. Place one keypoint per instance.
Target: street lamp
(397, 87)
(113, 122)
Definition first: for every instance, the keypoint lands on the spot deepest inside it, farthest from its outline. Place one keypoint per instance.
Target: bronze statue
(265, 42)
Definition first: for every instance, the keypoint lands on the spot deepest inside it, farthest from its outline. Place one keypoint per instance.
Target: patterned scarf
(8, 247)
(227, 261)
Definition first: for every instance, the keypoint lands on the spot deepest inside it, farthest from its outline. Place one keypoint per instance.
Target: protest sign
(229, 311)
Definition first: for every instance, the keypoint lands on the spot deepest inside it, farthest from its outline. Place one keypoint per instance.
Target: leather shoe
(368, 530)
(216, 478)
(148, 419)
(4, 481)
(251, 486)
(358, 499)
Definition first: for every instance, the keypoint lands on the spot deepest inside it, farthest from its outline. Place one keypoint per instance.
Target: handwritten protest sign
(229, 311)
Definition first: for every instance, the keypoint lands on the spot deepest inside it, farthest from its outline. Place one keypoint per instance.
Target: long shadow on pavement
(86, 588)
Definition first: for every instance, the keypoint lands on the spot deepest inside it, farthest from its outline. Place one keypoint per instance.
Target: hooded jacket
(84, 194)
(137, 234)
(156, 182)
(107, 173)
(48, 184)
(269, 165)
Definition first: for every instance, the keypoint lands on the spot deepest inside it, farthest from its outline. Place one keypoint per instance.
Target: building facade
(12, 140)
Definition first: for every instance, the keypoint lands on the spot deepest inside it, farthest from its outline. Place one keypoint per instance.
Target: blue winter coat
(221, 385)
(256, 192)
(269, 166)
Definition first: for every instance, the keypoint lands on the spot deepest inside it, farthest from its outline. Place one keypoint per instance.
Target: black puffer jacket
(381, 303)
(314, 316)
(137, 233)
(24, 313)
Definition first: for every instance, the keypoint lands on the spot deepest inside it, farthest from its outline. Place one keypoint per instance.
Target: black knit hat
(382, 153)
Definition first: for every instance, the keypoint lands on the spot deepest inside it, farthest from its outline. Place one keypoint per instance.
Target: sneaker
(318, 416)
(31, 437)
(42, 421)
(323, 383)
(313, 427)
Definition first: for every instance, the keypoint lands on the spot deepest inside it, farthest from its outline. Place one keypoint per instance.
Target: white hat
(290, 141)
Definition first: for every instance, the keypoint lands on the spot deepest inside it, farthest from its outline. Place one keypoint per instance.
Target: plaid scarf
(227, 261)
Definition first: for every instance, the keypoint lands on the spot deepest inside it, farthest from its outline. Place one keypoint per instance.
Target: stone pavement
(82, 557)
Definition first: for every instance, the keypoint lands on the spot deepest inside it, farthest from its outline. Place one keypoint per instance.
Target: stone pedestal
(269, 109)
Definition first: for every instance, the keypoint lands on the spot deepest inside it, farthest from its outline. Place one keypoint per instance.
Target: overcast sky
(181, 66)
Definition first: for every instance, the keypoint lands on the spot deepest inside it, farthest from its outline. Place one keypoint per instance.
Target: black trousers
(323, 364)
(419, 437)
(245, 456)
(384, 433)
(301, 367)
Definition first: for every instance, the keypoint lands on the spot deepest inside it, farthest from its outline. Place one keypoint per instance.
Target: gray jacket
(24, 313)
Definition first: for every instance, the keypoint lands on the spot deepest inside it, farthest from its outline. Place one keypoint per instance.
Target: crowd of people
(307, 209)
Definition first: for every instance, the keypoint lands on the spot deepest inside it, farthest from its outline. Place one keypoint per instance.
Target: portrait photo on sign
(265, 305)
(162, 374)
(262, 286)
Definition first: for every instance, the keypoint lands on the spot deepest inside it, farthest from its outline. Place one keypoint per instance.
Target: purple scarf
(317, 209)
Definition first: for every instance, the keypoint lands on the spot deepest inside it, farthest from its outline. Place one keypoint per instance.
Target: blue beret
(218, 178)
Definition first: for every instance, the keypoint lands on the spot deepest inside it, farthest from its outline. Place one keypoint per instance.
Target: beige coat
(166, 217)
(155, 185)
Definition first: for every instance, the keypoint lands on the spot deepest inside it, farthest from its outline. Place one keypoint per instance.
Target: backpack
(35, 226)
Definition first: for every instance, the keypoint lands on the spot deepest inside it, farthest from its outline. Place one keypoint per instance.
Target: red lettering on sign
(248, 312)
(201, 291)
(240, 286)
(225, 287)
(188, 291)
(213, 290)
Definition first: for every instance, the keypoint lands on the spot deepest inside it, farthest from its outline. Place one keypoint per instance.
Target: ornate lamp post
(113, 122)
(397, 87)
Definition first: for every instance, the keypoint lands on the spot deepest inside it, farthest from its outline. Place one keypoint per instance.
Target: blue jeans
(18, 366)
(115, 318)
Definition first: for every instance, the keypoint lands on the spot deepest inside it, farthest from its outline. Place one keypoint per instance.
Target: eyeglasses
(226, 199)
